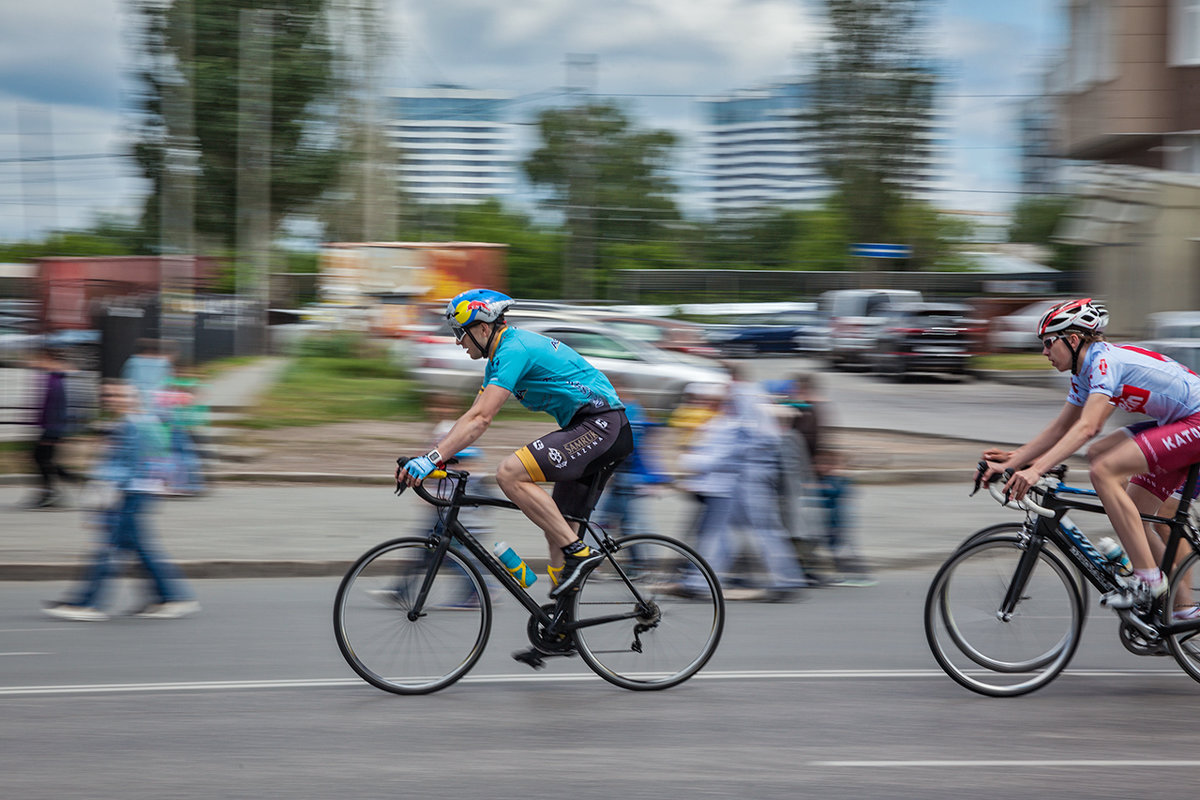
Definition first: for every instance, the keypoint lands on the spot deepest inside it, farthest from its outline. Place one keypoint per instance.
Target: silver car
(655, 378)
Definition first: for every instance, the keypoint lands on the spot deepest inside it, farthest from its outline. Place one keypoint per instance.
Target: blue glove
(419, 467)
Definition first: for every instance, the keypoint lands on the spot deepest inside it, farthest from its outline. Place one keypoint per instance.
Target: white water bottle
(1112, 550)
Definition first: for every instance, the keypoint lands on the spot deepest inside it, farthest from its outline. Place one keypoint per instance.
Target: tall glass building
(757, 153)
(456, 145)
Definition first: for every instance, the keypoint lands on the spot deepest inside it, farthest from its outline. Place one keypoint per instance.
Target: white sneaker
(1141, 593)
(170, 610)
(75, 613)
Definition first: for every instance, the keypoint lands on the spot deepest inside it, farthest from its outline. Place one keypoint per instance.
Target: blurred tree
(872, 95)
(608, 179)
(1035, 219)
(192, 46)
(109, 236)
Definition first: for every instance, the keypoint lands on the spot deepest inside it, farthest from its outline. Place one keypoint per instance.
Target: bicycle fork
(1016, 587)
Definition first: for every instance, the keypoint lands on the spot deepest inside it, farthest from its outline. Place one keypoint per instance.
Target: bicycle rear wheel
(990, 652)
(384, 644)
(670, 635)
(1185, 593)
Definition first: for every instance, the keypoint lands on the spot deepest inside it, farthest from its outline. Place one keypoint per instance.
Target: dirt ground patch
(363, 448)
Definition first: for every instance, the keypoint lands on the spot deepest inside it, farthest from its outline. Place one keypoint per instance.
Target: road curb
(335, 568)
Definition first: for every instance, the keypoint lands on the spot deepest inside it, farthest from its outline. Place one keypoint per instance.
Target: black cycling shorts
(570, 458)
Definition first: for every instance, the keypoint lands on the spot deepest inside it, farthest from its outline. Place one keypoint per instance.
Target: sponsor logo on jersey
(556, 458)
(539, 445)
(1132, 398)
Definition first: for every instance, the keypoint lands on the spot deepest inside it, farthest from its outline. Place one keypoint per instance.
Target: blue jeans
(124, 531)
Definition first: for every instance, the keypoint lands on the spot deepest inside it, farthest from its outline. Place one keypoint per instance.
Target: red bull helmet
(476, 305)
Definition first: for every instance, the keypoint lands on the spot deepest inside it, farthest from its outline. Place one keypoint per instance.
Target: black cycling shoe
(574, 568)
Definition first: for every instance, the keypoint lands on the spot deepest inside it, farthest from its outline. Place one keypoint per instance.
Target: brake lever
(979, 470)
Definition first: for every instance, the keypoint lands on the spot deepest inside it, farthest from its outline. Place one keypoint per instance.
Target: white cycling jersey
(1137, 380)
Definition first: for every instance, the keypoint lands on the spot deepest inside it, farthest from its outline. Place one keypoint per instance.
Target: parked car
(1017, 332)
(656, 376)
(926, 337)
(1175, 334)
(664, 333)
(17, 344)
(782, 332)
(855, 316)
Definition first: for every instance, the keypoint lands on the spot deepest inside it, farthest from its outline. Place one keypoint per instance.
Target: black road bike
(413, 615)
(1005, 613)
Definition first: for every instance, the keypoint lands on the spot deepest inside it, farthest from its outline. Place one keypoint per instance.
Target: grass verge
(1033, 361)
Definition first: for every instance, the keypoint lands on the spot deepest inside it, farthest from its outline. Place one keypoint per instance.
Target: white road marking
(320, 683)
(18, 653)
(1055, 762)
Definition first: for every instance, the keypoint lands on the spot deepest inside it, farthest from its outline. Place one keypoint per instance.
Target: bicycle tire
(683, 618)
(965, 596)
(411, 656)
(1017, 528)
(1185, 647)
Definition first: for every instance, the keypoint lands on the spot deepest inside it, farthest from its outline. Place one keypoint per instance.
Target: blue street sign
(881, 250)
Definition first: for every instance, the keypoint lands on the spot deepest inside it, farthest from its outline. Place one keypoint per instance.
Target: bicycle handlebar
(1026, 503)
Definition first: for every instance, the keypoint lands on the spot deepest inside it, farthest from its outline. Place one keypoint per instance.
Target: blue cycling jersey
(546, 375)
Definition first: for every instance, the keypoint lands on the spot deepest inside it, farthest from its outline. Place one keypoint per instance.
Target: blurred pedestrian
(128, 473)
(700, 403)
(55, 423)
(736, 463)
(623, 506)
(826, 489)
(185, 416)
(148, 370)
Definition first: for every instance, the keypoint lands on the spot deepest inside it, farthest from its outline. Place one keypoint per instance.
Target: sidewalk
(294, 524)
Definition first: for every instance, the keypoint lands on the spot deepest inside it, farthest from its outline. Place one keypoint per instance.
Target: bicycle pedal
(530, 657)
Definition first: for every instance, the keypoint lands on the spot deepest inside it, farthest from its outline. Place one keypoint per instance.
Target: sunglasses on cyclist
(1049, 341)
(459, 333)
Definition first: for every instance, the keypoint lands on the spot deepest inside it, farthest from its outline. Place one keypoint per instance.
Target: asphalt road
(832, 697)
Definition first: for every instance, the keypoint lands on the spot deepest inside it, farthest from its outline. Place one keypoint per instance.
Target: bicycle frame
(1062, 499)
(557, 622)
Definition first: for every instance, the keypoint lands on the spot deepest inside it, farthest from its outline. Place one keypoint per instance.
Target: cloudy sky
(65, 90)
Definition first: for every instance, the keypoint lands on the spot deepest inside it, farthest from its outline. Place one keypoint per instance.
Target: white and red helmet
(1084, 315)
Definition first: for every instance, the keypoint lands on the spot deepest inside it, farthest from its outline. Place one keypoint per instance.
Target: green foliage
(608, 179)
(303, 162)
(870, 92)
(107, 237)
(1036, 218)
(335, 378)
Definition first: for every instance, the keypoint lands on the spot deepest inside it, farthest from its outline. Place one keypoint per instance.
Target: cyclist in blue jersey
(544, 375)
(1134, 469)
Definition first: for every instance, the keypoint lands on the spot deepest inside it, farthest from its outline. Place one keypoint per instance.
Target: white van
(854, 319)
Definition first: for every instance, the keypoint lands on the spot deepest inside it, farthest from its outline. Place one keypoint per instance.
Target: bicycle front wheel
(988, 649)
(665, 637)
(1184, 593)
(393, 645)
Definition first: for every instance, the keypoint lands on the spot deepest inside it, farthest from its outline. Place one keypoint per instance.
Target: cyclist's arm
(1090, 422)
(471, 425)
(1039, 444)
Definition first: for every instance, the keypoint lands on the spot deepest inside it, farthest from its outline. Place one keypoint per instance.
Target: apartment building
(1130, 86)
(456, 145)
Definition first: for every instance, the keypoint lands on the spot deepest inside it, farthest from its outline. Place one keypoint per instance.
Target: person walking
(129, 470)
(738, 455)
(53, 422)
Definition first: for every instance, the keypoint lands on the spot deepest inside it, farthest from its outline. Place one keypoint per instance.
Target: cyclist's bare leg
(1183, 597)
(537, 504)
(1110, 471)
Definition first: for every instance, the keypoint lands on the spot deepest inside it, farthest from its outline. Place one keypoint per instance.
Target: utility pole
(177, 199)
(578, 279)
(254, 177)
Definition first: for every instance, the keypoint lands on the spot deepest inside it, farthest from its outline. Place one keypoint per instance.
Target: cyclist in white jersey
(1135, 469)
